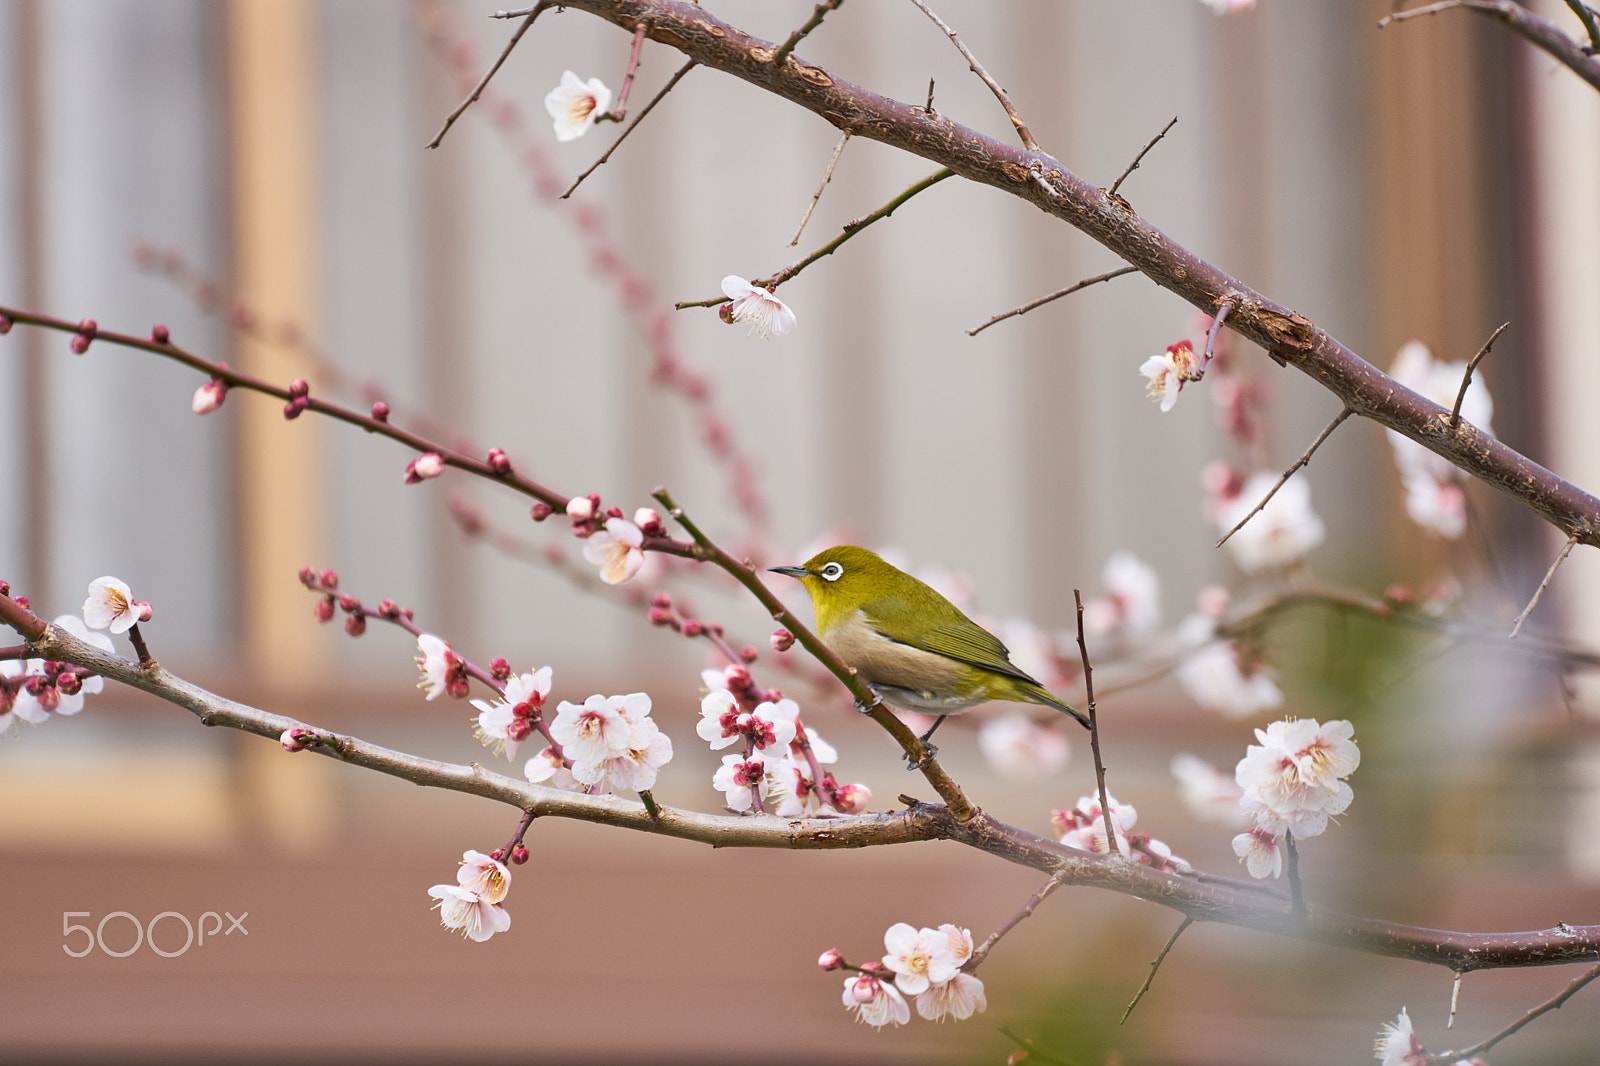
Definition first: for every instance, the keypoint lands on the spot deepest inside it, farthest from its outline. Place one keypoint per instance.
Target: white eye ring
(832, 572)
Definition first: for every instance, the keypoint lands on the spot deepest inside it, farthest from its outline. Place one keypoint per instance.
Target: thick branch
(1042, 180)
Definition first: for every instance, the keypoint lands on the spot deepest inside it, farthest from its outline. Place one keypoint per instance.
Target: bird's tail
(1040, 694)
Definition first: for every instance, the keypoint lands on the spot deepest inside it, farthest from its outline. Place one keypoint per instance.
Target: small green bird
(912, 646)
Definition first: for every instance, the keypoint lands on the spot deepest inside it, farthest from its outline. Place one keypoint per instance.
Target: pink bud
(161, 335)
(660, 616)
(519, 729)
(88, 327)
(69, 683)
(830, 959)
(5, 325)
(725, 312)
(613, 512)
(22, 601)
(583, 530)
(865, 990)
(388, 609)
(853, 798)
(324, 609)
(355, 625)
(294, 739)
(423, 468)
(308, 576)
(648, 521)
(146, 612)
(522, 710)
(580, 508)
(519, 854)
(743, 722)
(349, 604)
(661, 599)
(298, 387)
(329, 578)
(692, 628)
(772, 695)
(499, 462)
(209, 397)
(80, 344)
(380, 412)
(748, 653)
(499, 668)
(293, 409)
(782, 640)
(540, 511)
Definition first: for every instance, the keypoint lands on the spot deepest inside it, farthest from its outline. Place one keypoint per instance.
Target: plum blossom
(958, 997)
(1261, 851)
(874, 1001)
(1220, 677)
(767, 315)
(1397, 1044)
(634, 767)
(1083, 827)
(616, 550)
(576, 105)
(742, 780)
(1168, 372)
(504, 724)
(1018, 747)
(770, 727)
(919, 958)
(111, 605)
(1293, 778)
(1284, 531)
(464, 910)
(592, 731)
(1434, 495)
(486, 876)
(438, 663)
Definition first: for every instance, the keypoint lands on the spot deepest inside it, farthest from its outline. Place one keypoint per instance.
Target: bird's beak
(792, 571)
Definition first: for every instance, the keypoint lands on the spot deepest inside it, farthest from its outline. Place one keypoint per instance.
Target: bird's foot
(868, 708)
(928, 752)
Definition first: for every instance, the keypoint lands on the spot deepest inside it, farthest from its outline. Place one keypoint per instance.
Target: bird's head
(844, 577)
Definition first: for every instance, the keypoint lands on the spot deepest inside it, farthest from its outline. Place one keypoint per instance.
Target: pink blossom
(576, 105)
(767, 315)
(874, 1001)
(110, 605)
(1397, 1044)
(1168, 372)
(616, 550)
(591, 732)
(958, 998)
(919, 958)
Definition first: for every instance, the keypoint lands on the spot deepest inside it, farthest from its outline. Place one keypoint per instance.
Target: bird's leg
(929, 750)
(868, 708)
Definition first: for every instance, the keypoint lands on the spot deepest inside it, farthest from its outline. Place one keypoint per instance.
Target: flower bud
(298, 388)
(349, 604)
(580, 508)
(70, 684)
(209, 397)
(830, 959)
(692, 628)
(540, 511)
(380, 411)
(660, 616)
(5, 325)
(308, 576)
(294, 739)
(661, 599)
(519, 854)
(294, 408)
(522, 710)
(159, 334)
(79, 344)
(853, 798)
(519, 729)
(782, 640)
(146, 612)
(329, 578)
(748, 653)
(324, 609)
(865, 990)
(613, 512)
(499, 462)
(648, 521)
(499, 668)
(355, 625)
(388, 609)
(424, 467)
(88, 327)
(23, 602)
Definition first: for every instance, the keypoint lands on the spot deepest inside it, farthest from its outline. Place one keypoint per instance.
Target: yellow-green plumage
(914, 647)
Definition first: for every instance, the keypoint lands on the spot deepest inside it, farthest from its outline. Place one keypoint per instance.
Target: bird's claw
(928, 752)
(868, 708)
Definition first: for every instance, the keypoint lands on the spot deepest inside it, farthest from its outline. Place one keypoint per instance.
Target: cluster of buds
(86, 333)
(299, 399)
(1084, 827)
(927, 963)
(512, 719)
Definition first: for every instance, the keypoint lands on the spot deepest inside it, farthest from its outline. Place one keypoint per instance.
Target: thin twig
(1140, 157)
(665, 89)
(794, 38)
(1211, 337)
(145, 658)
(1094, 730)
(1543, 1008)
(1546, 36)
(1297, 899)
(477, 90)
(1466, 379)
(977, 68)
(850, 230)
(618, 113)
(927, 108)
(1154, 966)
(1068, 291)
(1566, 550)
(827, 176)
(1591, 23)
(1302, 461)
(1011, 923)
(1455, 994)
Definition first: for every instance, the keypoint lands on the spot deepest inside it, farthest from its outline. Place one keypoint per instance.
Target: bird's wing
(949, 633)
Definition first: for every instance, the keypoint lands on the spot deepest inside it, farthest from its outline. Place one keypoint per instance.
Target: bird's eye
(832, 572)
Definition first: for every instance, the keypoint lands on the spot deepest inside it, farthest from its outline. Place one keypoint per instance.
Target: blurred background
(252, 174)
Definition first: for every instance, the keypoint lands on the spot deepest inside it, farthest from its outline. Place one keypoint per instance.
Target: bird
(912, 647)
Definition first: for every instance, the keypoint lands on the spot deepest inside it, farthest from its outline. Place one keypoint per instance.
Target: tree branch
(1045, 182)
(1543, 35)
